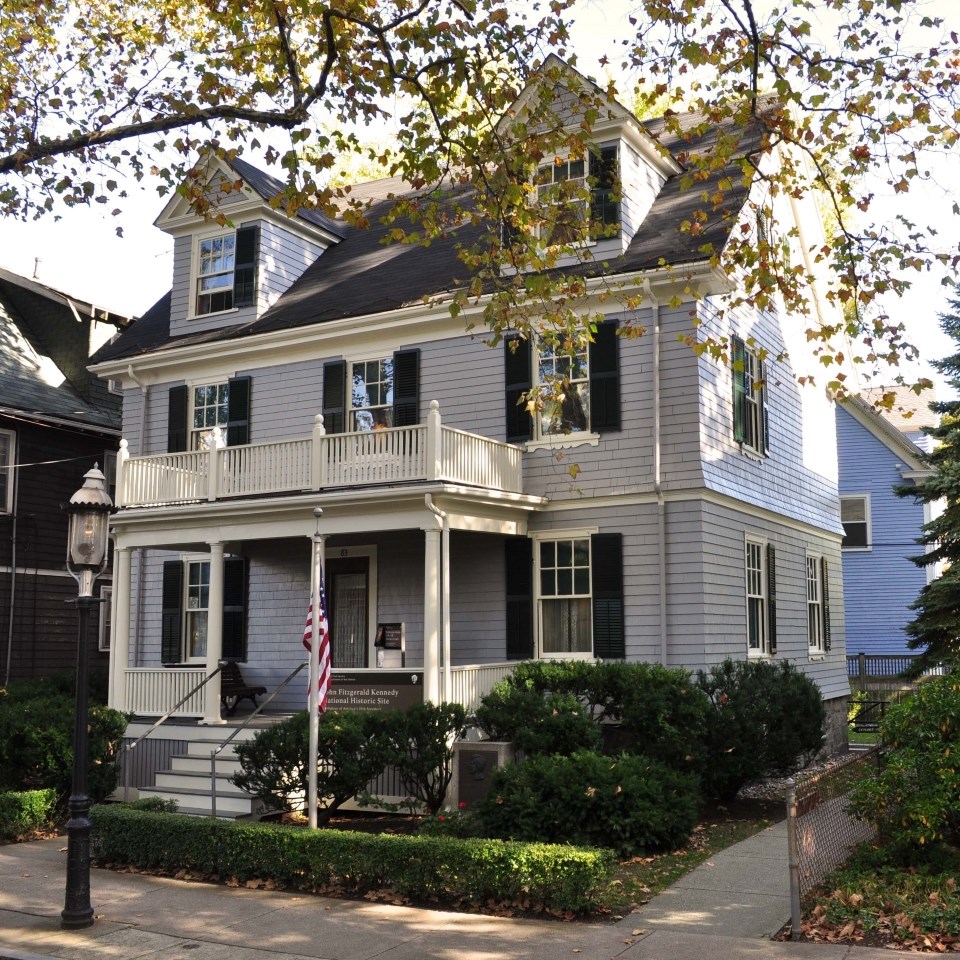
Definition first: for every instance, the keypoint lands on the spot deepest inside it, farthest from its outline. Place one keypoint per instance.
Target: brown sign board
(389, 636)
(375, 690)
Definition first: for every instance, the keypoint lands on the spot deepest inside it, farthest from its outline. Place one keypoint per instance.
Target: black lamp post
(89, 509)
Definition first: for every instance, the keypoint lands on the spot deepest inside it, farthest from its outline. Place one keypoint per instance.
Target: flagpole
(314, 671)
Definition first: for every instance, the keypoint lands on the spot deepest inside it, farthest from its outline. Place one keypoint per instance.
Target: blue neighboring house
(877, 452)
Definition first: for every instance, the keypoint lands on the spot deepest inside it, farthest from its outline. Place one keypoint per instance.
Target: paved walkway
(726, 909)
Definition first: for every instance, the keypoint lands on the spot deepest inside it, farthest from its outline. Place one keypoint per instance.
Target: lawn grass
(720, 826)
(880, 900)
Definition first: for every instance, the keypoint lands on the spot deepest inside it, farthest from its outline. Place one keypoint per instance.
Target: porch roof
(195, 525)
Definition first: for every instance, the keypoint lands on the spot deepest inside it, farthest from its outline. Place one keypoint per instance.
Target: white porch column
(211, 700)
(119, 629)
(431, 615)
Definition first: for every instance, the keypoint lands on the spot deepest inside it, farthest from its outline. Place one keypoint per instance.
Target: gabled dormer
(232, 273)
(600, 199)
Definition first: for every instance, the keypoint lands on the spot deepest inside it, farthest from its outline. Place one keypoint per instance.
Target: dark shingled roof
(26, 317)
(362, 274)
(268, 187)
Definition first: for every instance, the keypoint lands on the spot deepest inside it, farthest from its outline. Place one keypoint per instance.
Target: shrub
(629, 803)
(537, 723)
(36, 744)
(915, 797)
(765, 718)
(154, 805)
(434, 868)
(352, 749)
(420, 745)
(664, 714)
(21, 813)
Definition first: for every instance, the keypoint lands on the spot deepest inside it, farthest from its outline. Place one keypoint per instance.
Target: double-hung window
(580, 385)
(564, 376)
(194, 410)
(814, 606)
(749, 398)
(579, 198)
(855, 517)
(818, 604)
(197, 607)
(226, 271)
(215, 273)
(7, 448)
(211, 407)
(757, 636)
(566, 627)
(371, 395)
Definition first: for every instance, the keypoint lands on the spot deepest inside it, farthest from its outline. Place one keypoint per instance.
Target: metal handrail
(143, 736)
(215, 753)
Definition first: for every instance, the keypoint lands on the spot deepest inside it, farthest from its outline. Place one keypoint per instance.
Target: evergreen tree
(935, 631)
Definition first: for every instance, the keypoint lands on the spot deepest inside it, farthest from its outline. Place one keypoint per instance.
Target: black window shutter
(606, 557)
(245, 266)
(177, 404)
(772, 597)
(238, 412)
(406, 388)
(235, 608)
(517, 374)
(604, 364)
(171, 607)
(518, 552)
(825, 600)
(334, 396)
(738, 367)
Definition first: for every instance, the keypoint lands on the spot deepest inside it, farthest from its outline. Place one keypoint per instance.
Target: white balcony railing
(427, 451)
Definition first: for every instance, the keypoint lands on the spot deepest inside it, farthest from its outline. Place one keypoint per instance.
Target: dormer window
(226, 271)
(579, 199)
(563, 184)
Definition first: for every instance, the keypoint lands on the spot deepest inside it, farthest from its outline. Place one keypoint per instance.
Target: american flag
(323, 635)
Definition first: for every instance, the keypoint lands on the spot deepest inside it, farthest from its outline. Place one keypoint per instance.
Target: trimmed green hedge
(422, 867)
(23, 812)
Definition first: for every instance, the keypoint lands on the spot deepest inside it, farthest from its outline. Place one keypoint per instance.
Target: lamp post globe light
(89, 510)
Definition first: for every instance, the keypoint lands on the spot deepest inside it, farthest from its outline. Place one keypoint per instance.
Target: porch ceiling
(193, 525)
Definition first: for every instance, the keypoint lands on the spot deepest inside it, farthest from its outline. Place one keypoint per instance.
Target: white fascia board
(415, 323)
(346, 511)
(901, 446)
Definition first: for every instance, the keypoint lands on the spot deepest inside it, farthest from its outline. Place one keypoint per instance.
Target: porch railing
(150, 691)
(427, 451)
(470, 683)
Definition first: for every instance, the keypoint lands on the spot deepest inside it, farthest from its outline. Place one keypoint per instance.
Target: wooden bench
(233, 688)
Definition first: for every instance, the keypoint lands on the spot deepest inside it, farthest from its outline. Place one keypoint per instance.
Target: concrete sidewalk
(725, 909)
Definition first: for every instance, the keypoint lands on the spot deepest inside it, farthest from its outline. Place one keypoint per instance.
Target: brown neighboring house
(56, 421)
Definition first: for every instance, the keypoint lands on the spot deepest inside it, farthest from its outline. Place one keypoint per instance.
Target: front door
(348, 581)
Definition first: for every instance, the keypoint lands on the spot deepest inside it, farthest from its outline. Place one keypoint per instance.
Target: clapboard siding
(284, 256)
(882, 582)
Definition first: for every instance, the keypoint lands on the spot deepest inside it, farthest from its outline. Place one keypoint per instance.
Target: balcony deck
(397, 455)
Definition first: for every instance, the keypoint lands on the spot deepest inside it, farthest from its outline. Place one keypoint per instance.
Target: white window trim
(577, 533)
(192, 293)
(351, 409)
(186, 559)
(815, 651)
(540, 440)
(763, 652)
(106, 598)
(868, 513)
(7, 507)
(192, 387)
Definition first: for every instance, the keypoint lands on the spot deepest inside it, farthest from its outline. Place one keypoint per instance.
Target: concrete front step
(225, 765)
(229, 806)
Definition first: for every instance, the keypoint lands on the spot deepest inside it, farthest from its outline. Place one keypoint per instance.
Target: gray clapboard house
(300, 363)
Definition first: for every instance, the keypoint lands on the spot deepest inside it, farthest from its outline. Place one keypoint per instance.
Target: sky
(82, 254)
